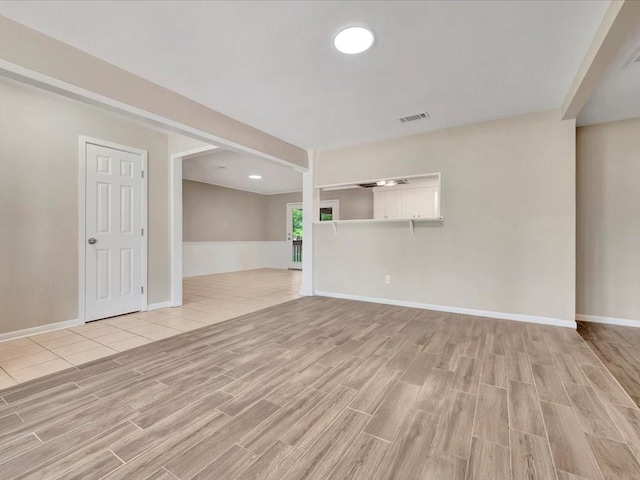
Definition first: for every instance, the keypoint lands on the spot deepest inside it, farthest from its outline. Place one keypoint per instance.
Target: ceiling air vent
(414, 117)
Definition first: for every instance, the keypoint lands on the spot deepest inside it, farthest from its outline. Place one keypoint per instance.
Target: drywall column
(310, 214)
(175, 184)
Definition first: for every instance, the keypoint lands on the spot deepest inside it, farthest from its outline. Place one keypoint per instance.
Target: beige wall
(608, 222)
(507, 243)
(217, 214)
(354, 204)
(39, 203)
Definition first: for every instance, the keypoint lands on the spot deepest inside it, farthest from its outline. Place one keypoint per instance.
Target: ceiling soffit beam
(31, 50)
(619, 21)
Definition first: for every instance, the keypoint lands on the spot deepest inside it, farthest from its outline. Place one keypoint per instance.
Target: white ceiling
(276, 178)
(617, 97)
(272, 65)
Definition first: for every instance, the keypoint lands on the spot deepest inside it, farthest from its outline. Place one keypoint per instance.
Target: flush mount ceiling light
(353, 40)
(255, 177)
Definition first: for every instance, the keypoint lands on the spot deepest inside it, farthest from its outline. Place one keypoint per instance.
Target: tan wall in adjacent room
(218, 214)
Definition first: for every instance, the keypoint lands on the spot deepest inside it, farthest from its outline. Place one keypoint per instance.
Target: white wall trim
(232, 242)
(156, 306)
(83, 141)
(355, 184)
(193, 179)
(464, 311)
(624, 322)
(283, 193)
(50, 327)
(208, 258)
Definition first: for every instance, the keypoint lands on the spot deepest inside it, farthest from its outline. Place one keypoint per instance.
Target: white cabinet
(419, 202)
(387, 204)
(410, 203)
(406, 202)
(379, 204)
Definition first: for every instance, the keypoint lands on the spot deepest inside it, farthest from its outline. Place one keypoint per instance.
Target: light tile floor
(207, 300)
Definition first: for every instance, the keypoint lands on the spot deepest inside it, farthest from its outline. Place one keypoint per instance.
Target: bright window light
(353, 40)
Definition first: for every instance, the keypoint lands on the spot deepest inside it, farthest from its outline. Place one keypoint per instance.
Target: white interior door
(114, 232)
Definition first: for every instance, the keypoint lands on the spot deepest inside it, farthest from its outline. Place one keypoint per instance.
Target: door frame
(82, 207)
(334, 204)
(175, 198)
(289, 208)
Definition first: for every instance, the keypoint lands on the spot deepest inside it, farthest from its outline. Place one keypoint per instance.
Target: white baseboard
(624, 322)
(156, 306)
(50, 327)
(464, 311)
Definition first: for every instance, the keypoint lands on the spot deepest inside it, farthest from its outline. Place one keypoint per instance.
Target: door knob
(92, 241)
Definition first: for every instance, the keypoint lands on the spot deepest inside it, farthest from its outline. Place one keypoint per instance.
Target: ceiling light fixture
(353, 40)
(255, 177)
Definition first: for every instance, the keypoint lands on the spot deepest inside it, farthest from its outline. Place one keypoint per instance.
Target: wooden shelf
(410, 221)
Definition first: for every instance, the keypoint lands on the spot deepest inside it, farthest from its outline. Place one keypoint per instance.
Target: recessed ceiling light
(353, 40)
(255, 177)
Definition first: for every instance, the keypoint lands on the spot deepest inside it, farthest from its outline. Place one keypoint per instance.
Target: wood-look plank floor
(619, 349)
(321, 388)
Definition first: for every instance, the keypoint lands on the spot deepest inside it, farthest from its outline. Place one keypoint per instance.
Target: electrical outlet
(387, 279)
